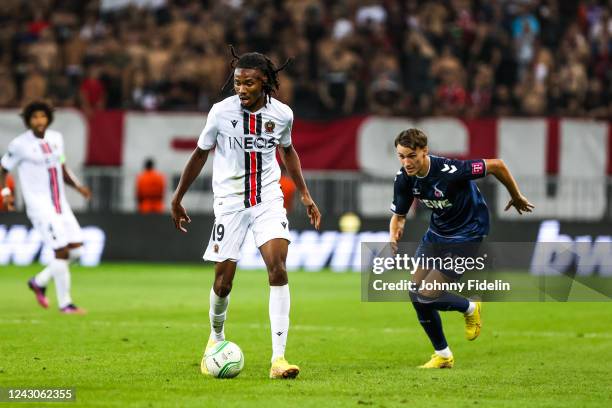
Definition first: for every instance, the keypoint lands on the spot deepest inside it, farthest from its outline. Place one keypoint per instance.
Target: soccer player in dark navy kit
(459, 222)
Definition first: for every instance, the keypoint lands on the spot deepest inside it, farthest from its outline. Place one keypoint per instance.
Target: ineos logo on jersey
(251, 142)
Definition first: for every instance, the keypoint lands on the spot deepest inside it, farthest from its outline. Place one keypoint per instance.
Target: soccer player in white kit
(246, 130)
(38, 156)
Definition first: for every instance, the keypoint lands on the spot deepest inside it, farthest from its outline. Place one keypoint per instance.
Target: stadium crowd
(388, 57)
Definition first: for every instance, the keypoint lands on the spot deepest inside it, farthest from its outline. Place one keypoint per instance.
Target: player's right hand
(179, 215)
(396, 236)
(393, 247)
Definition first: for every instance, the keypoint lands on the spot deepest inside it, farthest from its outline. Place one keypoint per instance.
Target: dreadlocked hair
(256, 60)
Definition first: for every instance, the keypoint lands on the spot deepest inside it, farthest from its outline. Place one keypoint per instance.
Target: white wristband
(6, 192)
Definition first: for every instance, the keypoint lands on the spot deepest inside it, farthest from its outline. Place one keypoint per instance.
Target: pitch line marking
(299, 327)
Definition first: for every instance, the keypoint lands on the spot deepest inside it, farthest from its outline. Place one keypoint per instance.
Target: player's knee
(222, 288)
(62, 253)
(427, 296)
(277, 274)
(222, 285)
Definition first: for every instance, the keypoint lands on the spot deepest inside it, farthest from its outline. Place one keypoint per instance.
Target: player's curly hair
(35, 106)
(256, 60)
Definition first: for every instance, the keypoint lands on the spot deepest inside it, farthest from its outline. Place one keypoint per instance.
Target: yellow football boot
(473, 322)
(282, 369)
(439, 362)
(211, 343)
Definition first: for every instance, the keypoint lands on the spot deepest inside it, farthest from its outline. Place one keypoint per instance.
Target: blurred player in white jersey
(246, 130)
(38, 156)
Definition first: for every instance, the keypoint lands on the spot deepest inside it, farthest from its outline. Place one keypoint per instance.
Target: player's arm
(402, 201)
(71, 180)
(191, 171)
(498, 168)
(396, 230)
(8, 200)
(291, 161)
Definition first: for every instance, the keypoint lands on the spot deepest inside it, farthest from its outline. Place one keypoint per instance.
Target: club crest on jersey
(269, 126)
(437, 192)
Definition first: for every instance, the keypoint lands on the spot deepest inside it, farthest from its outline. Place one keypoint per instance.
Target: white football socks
(61, 274)
(43, 277)
(446, 353)
(217, 314)
(280, 303)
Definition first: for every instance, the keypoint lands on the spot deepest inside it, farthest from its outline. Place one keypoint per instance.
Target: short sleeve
(11, 157)
(285, 137)
(60, 146)
(208, 137)
(464, 169)
(402, 195)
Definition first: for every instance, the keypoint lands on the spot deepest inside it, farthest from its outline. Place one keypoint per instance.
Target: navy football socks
(431, 322)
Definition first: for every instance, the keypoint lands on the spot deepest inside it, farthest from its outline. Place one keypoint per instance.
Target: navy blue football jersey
(458, 208)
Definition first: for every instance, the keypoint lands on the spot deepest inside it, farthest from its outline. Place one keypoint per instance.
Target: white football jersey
(245, 170)
(39, 164)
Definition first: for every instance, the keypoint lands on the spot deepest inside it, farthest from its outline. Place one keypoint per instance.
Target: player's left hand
(85, 192)
(520, 203)
(312, 210)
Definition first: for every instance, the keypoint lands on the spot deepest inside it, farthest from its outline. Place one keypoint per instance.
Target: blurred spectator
(38, 23)
(385, 91)
(525, 46)
(10, 183)
(416, 60)
(8, 91)
(92, 92)
(384, 96)
(480, 98)
(44, 52)
(34, 85)
(62, 91)
(337, 87)
(450, 95)
(150, 189)
(503, 102)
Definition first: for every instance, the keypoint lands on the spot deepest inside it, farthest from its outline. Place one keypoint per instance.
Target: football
(225, 360)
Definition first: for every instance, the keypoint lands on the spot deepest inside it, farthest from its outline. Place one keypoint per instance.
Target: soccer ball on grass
(224, 360)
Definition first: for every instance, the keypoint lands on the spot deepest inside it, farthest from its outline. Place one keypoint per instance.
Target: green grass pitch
(141, 344)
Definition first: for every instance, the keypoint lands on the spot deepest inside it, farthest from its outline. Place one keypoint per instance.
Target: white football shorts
(267, 221)
(58, 230)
